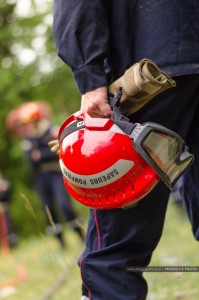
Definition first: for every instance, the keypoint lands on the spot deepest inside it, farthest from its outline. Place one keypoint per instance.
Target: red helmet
(112, 163)
(26, 113)
(100, 165)
(12, 121)
(33, 111)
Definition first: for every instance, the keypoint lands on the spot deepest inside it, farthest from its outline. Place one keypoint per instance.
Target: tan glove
(54, 146)
(140, 83)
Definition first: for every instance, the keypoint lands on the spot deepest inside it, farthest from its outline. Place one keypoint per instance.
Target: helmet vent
(83, 199)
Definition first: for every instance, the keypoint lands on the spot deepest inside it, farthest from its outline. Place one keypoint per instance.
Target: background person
(31, 122)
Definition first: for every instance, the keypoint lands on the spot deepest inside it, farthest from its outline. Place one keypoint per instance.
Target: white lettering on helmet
(110, 175)
(79, 124)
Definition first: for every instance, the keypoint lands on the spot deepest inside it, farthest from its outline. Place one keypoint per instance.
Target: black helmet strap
(118, 118)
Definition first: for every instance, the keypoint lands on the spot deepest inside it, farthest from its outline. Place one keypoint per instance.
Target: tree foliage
(30, 69)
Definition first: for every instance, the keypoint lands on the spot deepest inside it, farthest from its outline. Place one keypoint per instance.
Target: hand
(95, 103)
(35, 154)
(54, 146)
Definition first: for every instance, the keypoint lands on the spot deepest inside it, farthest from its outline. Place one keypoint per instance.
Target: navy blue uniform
(49, 183)
(99, 40)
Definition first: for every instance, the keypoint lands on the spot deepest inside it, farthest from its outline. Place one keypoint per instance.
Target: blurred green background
(30, 69)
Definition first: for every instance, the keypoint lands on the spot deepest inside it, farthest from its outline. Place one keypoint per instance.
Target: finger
(105, 110)
(54, 146)
(55, 149)
(92, 110)
(53, 143)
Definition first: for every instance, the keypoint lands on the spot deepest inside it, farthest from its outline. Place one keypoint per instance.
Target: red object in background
(4, 243)
(27, 112)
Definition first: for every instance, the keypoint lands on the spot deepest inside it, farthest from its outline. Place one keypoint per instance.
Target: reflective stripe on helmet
(107, 176)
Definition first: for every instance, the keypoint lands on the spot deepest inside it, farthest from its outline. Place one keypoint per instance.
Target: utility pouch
(140, 84)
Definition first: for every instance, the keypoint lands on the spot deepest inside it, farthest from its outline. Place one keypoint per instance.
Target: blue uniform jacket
(40, 143)
(100, 39)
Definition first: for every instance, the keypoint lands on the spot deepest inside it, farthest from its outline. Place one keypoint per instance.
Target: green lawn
(53, 271)
(176, 248)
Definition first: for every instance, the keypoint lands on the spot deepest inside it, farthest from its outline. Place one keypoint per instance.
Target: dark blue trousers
(120, 238)
(53, 194)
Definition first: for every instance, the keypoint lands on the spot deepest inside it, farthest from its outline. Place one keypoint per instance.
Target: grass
(176, 248)
(44, 262)
(47, 265)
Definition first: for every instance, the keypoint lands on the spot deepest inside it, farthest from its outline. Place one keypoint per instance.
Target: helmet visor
(164, 150)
